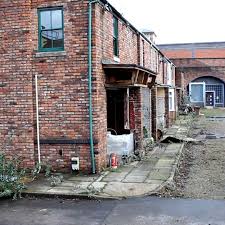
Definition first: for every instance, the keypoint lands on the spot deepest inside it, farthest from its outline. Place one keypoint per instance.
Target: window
(115, 37)
(51, 29)
(171, 100)
(197, 92)
(219, 92)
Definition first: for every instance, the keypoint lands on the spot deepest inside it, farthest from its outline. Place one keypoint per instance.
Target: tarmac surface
(136, 211)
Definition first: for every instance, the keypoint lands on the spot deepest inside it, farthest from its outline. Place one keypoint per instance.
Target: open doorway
(118, 110)
(120, 139)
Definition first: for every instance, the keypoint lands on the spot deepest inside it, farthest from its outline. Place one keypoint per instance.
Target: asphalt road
(141, 211)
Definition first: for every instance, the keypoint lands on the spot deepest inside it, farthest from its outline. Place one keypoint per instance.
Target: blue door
(210, 98)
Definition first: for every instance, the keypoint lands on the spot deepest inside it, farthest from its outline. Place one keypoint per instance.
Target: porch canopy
(128, 75)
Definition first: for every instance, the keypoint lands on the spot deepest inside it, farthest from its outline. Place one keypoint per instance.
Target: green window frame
(115, 36)
(50, 29)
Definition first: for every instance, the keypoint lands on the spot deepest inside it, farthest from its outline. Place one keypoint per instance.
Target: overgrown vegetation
(213, 112)
(11, 183)
(13, 176)
(54, 179)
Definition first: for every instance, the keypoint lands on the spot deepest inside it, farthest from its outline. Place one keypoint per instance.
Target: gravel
(201, 173)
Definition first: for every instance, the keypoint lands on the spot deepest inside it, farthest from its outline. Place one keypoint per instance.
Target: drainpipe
(90, 84)
(38, 126)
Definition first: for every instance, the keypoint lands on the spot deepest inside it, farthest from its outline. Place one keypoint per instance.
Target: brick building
(200, 69)
(70, 71)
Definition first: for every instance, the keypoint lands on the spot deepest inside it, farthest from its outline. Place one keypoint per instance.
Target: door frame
(214, 94)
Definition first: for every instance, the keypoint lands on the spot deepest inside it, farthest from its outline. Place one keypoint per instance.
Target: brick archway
(191, 74)
(207, 85)
(197, 79)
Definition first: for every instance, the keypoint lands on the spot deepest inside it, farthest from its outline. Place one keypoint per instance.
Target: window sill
(50, 54)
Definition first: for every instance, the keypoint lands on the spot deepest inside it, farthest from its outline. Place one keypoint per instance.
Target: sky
(176, 21)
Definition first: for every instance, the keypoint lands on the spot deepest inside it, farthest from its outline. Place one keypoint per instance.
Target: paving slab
(75, 188)
(69, 183)
(75, 185)
(138, 171)
(98, 186)
(162, 163)
(146, 166)
(83, 178)
(38, 189)
(114, 177)
(62, 191)
(159, 174)
(156, 182)
(136, 179)
(118, 189)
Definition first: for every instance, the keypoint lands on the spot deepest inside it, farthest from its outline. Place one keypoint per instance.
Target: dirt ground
(201, 173)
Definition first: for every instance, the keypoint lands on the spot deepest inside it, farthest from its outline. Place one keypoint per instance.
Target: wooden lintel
(140, 85)
(136, 74)
(146, 78)
(140, 77)
(150, 85)
(143, 77)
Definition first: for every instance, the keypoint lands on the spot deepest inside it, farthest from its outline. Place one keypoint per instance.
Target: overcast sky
(177, 21)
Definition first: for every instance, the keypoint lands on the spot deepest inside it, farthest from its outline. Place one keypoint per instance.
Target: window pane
(56, 19)
(115, 27)
(170, 103)
(115, 47)
(197, 92)
(46, 39)
(57, 38)
(46, 20)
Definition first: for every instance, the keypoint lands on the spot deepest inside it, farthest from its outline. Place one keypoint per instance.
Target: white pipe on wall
(37, 118)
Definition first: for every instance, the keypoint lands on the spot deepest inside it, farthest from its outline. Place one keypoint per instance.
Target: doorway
(210, 98)
(118, 110)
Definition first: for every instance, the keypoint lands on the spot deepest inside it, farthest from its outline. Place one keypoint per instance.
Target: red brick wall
(196, 53)
(133, 49)
(136, 101)
(173, 54)
(179, 79)
(197, 63)
(167, 107)
(62, 82)
(194, 68)
(16, 100)
(63, 87)
(154, 112)
(160, 79)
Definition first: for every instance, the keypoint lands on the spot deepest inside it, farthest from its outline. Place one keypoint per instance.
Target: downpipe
(93, 165)
(38, 124)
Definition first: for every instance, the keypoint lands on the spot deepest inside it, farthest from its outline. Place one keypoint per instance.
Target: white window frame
(190, 94)
(172, 94)
(169, 74)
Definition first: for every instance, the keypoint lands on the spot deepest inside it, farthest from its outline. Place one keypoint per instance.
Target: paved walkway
(137, 179)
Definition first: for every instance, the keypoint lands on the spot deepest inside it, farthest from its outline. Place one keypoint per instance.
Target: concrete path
(139, 178)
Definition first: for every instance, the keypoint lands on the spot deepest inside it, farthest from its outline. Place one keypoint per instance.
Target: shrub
(11, 175)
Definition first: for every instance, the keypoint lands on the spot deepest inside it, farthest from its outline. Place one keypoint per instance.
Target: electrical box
(75, 163)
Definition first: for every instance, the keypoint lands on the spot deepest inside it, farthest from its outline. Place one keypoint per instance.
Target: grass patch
(213, 112)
